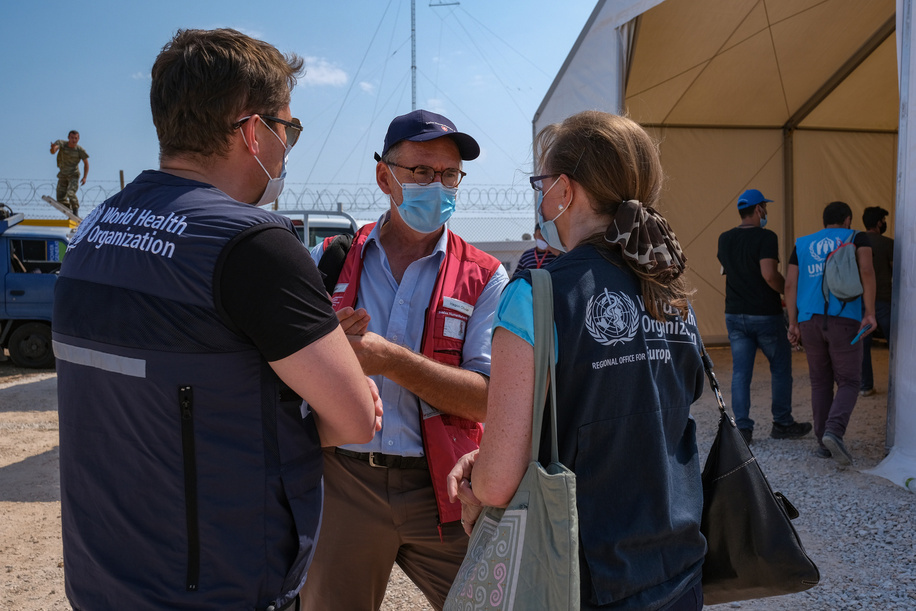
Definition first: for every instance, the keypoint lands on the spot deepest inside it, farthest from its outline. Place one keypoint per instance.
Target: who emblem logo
(611, 318)
(86, 226)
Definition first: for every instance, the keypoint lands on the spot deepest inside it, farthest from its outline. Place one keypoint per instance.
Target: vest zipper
(186, 405)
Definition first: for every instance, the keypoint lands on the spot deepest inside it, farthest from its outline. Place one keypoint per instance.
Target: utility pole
(413, 47)
(413, 54)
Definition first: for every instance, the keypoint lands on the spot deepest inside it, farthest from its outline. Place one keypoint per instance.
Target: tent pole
(900, 464)
(788, 169)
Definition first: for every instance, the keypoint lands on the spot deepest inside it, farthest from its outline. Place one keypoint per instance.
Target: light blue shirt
(515, 314)
(398, 313)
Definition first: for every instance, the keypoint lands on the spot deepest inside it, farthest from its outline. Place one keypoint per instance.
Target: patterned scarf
(646, 238)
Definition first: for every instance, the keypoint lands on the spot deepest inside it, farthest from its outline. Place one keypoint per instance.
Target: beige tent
(797, 98)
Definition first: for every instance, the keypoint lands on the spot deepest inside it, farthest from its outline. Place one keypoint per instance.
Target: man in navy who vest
(189, 325)
(429, 299)
(827, 328)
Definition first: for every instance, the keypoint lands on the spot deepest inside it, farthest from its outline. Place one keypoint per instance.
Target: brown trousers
(374, 517)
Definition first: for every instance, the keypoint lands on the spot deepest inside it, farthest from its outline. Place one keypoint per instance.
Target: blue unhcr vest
(811, 251)
(625, 383)
(189, 478)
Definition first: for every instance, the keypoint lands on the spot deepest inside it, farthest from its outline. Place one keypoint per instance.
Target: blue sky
(486, 64)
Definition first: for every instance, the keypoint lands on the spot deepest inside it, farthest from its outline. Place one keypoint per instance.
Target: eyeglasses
(537, 182)
(293, 128)
(424, 175)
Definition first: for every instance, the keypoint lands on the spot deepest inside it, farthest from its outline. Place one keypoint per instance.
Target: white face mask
(274, 185)
(540, 244)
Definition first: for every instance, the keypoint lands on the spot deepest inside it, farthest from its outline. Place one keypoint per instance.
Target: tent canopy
(797, 98)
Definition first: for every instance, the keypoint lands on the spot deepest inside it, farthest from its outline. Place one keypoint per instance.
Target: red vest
(462, 277)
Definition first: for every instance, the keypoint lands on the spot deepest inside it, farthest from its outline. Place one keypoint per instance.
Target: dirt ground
(30, 540)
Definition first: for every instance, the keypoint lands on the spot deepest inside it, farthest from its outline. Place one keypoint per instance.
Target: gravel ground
(858, 528)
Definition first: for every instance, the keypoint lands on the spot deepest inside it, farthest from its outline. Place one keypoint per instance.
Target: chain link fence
(497, 218)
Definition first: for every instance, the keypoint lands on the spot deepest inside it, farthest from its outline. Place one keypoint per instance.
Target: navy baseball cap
(751, 197)
(422, 126)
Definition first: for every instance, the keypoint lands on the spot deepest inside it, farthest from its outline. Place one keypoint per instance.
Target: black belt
(390, 461)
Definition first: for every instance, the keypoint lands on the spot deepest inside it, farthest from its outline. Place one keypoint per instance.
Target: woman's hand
(469, 515)
(459, 489)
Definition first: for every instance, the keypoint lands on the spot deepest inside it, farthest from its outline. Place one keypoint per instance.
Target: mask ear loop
(570, 177)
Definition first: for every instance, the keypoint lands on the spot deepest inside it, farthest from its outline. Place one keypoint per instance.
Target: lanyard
(540, 261)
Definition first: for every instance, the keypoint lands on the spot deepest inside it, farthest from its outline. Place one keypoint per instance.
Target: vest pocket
(186, 406)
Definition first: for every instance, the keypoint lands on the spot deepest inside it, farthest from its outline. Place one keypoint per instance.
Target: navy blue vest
(625, 383)
(188, 476)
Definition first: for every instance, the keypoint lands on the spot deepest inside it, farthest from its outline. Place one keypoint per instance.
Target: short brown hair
(205, 80)
(614, 160)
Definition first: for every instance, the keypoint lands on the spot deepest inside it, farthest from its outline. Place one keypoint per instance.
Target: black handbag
(753, 549)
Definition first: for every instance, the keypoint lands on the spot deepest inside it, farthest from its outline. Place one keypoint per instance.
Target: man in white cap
(749, 255)
(429, 298)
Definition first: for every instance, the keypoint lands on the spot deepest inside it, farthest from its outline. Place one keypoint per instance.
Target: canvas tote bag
(526, 556)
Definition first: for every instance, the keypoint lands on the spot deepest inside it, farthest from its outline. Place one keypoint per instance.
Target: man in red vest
(417, 303)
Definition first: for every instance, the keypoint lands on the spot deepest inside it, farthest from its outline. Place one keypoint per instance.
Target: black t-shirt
(740, 252)
(273, 292)
(882, 256)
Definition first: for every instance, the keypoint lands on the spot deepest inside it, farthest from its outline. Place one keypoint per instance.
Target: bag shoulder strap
(713, 382)
(332, 260)
(544, 365)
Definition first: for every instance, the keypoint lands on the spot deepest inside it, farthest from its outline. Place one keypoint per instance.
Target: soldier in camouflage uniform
(69, 154)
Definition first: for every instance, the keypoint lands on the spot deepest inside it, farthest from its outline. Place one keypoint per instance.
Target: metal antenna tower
(413, 47)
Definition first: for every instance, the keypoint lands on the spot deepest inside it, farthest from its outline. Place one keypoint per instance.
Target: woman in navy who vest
(628, 368)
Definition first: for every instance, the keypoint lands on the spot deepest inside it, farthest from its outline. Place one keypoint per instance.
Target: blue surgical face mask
(426, 208)
(549, 228)
(763, 222)
(274, 185)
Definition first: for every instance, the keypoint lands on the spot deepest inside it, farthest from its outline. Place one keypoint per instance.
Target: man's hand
(373, 352)
(83, 181)
(868, 319)
(379, 410)
(794, 335)
(353, 322)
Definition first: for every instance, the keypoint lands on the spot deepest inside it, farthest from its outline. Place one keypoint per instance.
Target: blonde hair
(614, 160)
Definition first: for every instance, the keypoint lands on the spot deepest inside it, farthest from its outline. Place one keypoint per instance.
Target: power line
(349, 89)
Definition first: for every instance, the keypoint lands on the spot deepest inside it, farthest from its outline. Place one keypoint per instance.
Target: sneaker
(837, 449)
(790, 431)
(867, 392)
(822, 452)
(748, 435)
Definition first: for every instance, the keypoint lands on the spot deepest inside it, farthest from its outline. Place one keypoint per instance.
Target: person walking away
(69, 155)
(827, 337)
(749, 255)
(537, 257)
(882, 249)
(189, 325)
(625, 330)
(429, 298)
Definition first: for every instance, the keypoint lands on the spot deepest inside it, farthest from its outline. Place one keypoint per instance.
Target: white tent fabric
(797, 98)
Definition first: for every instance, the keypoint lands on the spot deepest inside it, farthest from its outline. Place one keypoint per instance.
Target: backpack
(333, 259)
(841, 275)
